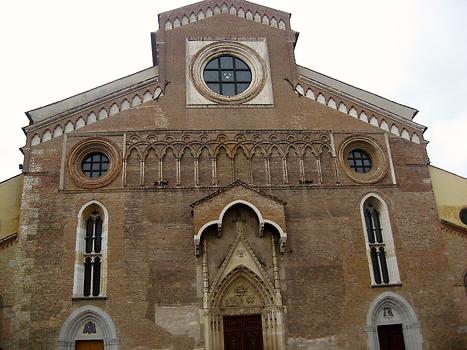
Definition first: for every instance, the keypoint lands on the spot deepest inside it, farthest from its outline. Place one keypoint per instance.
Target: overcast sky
(410, 51)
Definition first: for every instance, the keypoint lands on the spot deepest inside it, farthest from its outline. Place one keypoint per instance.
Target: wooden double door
(391, 337)
(243, 333)
(89, 345)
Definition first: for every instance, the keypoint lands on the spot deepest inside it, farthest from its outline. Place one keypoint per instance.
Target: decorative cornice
(8, 240)
(453, 228)
(360, 109)
(205, 9)
(96, 110)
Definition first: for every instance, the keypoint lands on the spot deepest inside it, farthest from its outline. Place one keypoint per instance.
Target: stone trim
(72, 327)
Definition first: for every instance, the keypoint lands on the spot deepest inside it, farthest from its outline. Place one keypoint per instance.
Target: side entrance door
(243, 333)
(391, 337)
(89, 345)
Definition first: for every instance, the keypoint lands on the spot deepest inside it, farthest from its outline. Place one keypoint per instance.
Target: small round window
(227, 75)
(359, 161)
(95, 165)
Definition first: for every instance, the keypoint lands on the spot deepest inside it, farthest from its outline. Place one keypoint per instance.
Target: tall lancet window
(91, 243)
(379, 242)
(93, 255)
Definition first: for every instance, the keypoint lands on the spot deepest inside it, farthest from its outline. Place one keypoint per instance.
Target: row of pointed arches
(352, 111)
(225, 9)
(95, 115)
(216, 164)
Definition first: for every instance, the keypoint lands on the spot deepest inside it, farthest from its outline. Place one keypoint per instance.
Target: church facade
(229, 198)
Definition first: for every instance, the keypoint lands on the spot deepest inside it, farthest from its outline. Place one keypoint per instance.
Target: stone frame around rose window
(83, 149)
(380, 164)
(247, 54)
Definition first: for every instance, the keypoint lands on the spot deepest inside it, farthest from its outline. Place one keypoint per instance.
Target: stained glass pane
(95, 165)
(96, 277)
(375, 263)
(226, 62)
(228, 89)
(227, 75)
(98, 236)
(211, 76)
(384, 266)
(214, 64)
(215, 87)
(89, 233)
(359, 161)
(243, 76)
(87, 277)
(239, 64)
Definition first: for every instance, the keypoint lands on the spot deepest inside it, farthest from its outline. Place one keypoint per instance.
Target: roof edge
(413, 111)
(40, 113)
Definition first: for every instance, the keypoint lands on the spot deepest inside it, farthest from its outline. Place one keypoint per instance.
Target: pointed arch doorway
(239, 265)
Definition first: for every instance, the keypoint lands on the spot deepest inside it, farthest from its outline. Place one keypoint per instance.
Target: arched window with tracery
(91, 244)
(379, 241)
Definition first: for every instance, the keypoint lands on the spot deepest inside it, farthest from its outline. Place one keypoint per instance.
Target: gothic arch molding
(72, 328)
(390, 308)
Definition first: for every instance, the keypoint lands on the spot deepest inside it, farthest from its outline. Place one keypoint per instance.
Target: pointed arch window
(379, 242)
(91, 243)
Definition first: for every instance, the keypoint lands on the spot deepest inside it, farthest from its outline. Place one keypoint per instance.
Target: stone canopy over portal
(210, 210)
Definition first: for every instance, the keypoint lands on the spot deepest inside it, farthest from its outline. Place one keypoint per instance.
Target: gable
(124, 94)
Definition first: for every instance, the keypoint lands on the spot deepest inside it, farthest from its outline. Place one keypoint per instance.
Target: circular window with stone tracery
(228, 72)
(362, 159)
(227, 75)
(94, 163)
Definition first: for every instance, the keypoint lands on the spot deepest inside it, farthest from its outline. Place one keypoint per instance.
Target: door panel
(243, 333)
(89, 345)
(391, 337)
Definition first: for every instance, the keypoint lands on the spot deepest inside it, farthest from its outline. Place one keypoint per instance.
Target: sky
(410, 51)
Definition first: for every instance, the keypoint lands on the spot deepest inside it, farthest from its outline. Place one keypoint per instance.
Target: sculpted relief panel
(209, 159)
